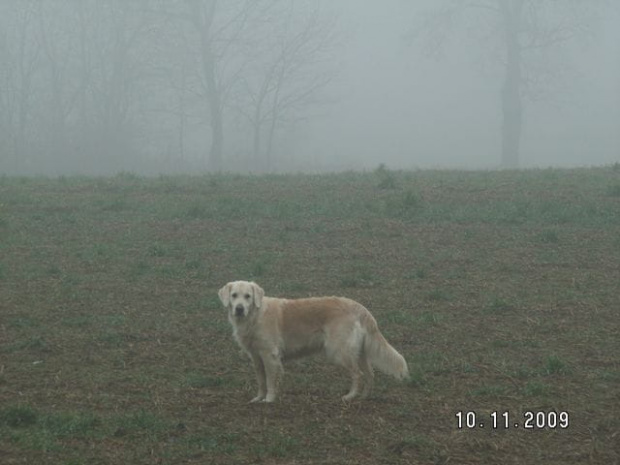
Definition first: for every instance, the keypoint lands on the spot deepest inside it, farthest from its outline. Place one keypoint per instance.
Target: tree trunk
(512, 108)
(270, 137)
(256, 139)
(217, 138)
(215, 109)
(202, 16)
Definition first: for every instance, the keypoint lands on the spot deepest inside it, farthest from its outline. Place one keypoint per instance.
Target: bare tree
(519, 35)
(70, 85)
(114, 41)
(19, 64)
(58, 51)
(288, 70)
(202, 15)
(82, 80)
(254, 57)
(219, 28)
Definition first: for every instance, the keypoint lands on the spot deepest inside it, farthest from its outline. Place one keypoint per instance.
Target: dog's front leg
(259, 369)
(273, 372)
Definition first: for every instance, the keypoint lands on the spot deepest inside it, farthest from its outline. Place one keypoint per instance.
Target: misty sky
(99, 87)
(399, 105)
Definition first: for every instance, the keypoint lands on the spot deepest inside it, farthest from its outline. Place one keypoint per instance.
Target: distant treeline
(100, 86)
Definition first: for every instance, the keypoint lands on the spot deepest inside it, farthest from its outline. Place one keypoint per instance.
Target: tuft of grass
(439, 295)
(259, 268)
(197, 380)
(111, 338)
(54, 271)
(554, 365)
(419, 446)
(194, 264)
(610, 375)
(138, 269)
(78, 321)
(421, 273)
(535, 389)
(70, 424)
(417, 377)
(279, 446)
(466, 367)
(18, 416)
(22, 322)
(140, 421)
(197, 211)
(429, 319)
(226, 443)
(491, 390)
(403, 205)
(614, 190)
(525, 372)
(34, 344)
(296, 287)
(114, 205)
(362, 278)
(549, 237)
(498, 305)
(429, 363)
(157, 250)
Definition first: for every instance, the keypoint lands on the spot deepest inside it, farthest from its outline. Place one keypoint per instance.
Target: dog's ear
(224, 294)
(258, 295)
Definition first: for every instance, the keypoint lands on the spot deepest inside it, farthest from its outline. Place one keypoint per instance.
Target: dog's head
(241, 298)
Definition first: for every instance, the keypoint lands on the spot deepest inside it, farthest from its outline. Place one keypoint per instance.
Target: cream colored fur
(272, 330)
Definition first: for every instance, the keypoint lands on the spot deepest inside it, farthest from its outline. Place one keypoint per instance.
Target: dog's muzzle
(239, 311)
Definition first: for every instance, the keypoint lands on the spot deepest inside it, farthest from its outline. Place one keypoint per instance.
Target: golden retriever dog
(272, 330)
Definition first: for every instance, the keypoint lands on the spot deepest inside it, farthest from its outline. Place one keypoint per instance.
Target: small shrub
(385, 178)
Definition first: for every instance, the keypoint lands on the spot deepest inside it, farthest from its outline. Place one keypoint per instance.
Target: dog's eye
(247, 297)
(234, 295)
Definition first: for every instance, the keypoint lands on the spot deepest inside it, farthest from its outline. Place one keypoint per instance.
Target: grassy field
(500, 288)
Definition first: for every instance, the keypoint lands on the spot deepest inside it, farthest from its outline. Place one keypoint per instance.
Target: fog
(189, 86)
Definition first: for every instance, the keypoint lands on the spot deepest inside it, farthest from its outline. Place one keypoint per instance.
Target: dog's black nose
(239, 310)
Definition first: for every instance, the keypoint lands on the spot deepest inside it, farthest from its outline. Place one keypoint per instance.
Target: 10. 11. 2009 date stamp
(528, 420)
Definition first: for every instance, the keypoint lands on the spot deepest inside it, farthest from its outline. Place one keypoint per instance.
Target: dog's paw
(258, 399)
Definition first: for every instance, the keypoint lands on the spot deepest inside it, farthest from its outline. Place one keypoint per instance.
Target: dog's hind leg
(344, 347)
(367, 374)
(356, 374)
(273, 374)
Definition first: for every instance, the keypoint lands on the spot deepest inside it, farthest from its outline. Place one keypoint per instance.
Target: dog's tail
(381, 354)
